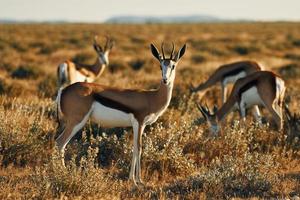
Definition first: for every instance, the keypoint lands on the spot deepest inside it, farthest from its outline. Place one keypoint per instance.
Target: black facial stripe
(112, 103)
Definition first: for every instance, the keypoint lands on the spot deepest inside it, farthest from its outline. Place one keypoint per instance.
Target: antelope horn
(206, 108)
(288, 112)
(107, 42)
(162, 50)
(95, 39)
(198, 106)
(173, 48)
(201, 109)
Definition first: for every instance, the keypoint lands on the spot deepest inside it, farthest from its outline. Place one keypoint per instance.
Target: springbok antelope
(115, 107)
(70, 72)
(228, 73)
(259, 88)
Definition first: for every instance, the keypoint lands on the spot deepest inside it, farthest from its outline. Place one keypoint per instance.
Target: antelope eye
(173, 66)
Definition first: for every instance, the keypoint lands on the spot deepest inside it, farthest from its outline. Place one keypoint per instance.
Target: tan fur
(220, 74)
(145, 102)
(264, 82)
(90, 71)
(120, 107)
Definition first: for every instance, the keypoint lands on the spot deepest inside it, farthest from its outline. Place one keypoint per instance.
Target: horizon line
(106, 20)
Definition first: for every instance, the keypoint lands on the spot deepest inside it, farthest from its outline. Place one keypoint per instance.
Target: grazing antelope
(228, 73)
(293, 124)
(115, 107)
(70, 72)
(259, 88)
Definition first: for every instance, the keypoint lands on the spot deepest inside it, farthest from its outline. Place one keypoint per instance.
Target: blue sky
(99, 10)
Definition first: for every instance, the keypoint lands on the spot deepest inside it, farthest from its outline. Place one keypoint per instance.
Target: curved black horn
(173, 49)
(162, 50)
(96, 39)
(107, 42)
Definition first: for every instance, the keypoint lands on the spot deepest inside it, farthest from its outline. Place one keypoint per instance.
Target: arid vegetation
(180, 159)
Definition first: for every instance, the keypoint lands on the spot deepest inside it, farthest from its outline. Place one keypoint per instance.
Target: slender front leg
(243, 112)
(135, 126)
(139, 147)
(224, 93)
(257, 115)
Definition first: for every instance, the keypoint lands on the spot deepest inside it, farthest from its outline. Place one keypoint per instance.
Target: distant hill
(14, 21)
(170, 19)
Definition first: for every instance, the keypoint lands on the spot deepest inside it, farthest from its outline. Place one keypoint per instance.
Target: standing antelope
(228, 73)
(115, 107)
(259, 88)
(70, 72)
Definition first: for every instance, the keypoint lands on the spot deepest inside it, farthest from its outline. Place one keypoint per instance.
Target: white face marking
(214, 128)
(168, 70)
(213, 125)
(109, 117)
(233, 79)
(103, 57)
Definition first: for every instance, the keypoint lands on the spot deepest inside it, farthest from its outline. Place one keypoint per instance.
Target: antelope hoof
(134, 182)
(140, 183)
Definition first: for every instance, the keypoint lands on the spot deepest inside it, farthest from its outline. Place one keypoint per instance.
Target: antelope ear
(111, 44)
(202, 111)
(181, 52)
(97, 48)
(155, 52)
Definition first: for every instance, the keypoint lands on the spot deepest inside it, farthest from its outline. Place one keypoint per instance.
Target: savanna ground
(180, 159)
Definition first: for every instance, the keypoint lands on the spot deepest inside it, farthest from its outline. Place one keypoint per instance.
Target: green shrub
(83, 58)
(19, 46)
(137, 64)
(244, 50)
(290, 71)
(25, 72)
(48, 86)
(198, 58)
(3, 87)
(47, 49)
(296, 43)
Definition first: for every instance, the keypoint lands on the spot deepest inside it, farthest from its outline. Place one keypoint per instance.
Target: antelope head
(103, 52)
(211, 118)
(168, 65)
(293, 123)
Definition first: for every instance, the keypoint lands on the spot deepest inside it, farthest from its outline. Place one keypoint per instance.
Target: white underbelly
(233, 79)
(109, 117)
(251, 97)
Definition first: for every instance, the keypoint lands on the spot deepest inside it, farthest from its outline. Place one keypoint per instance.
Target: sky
(100, 10)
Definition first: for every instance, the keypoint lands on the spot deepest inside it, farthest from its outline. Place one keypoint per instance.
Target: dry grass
(180, 160)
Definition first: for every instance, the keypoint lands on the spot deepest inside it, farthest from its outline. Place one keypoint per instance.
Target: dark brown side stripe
(233, 72)
(253, 83)
(112, 104)
(247, 87)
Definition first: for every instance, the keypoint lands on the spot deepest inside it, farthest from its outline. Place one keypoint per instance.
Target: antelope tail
(58, 106)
